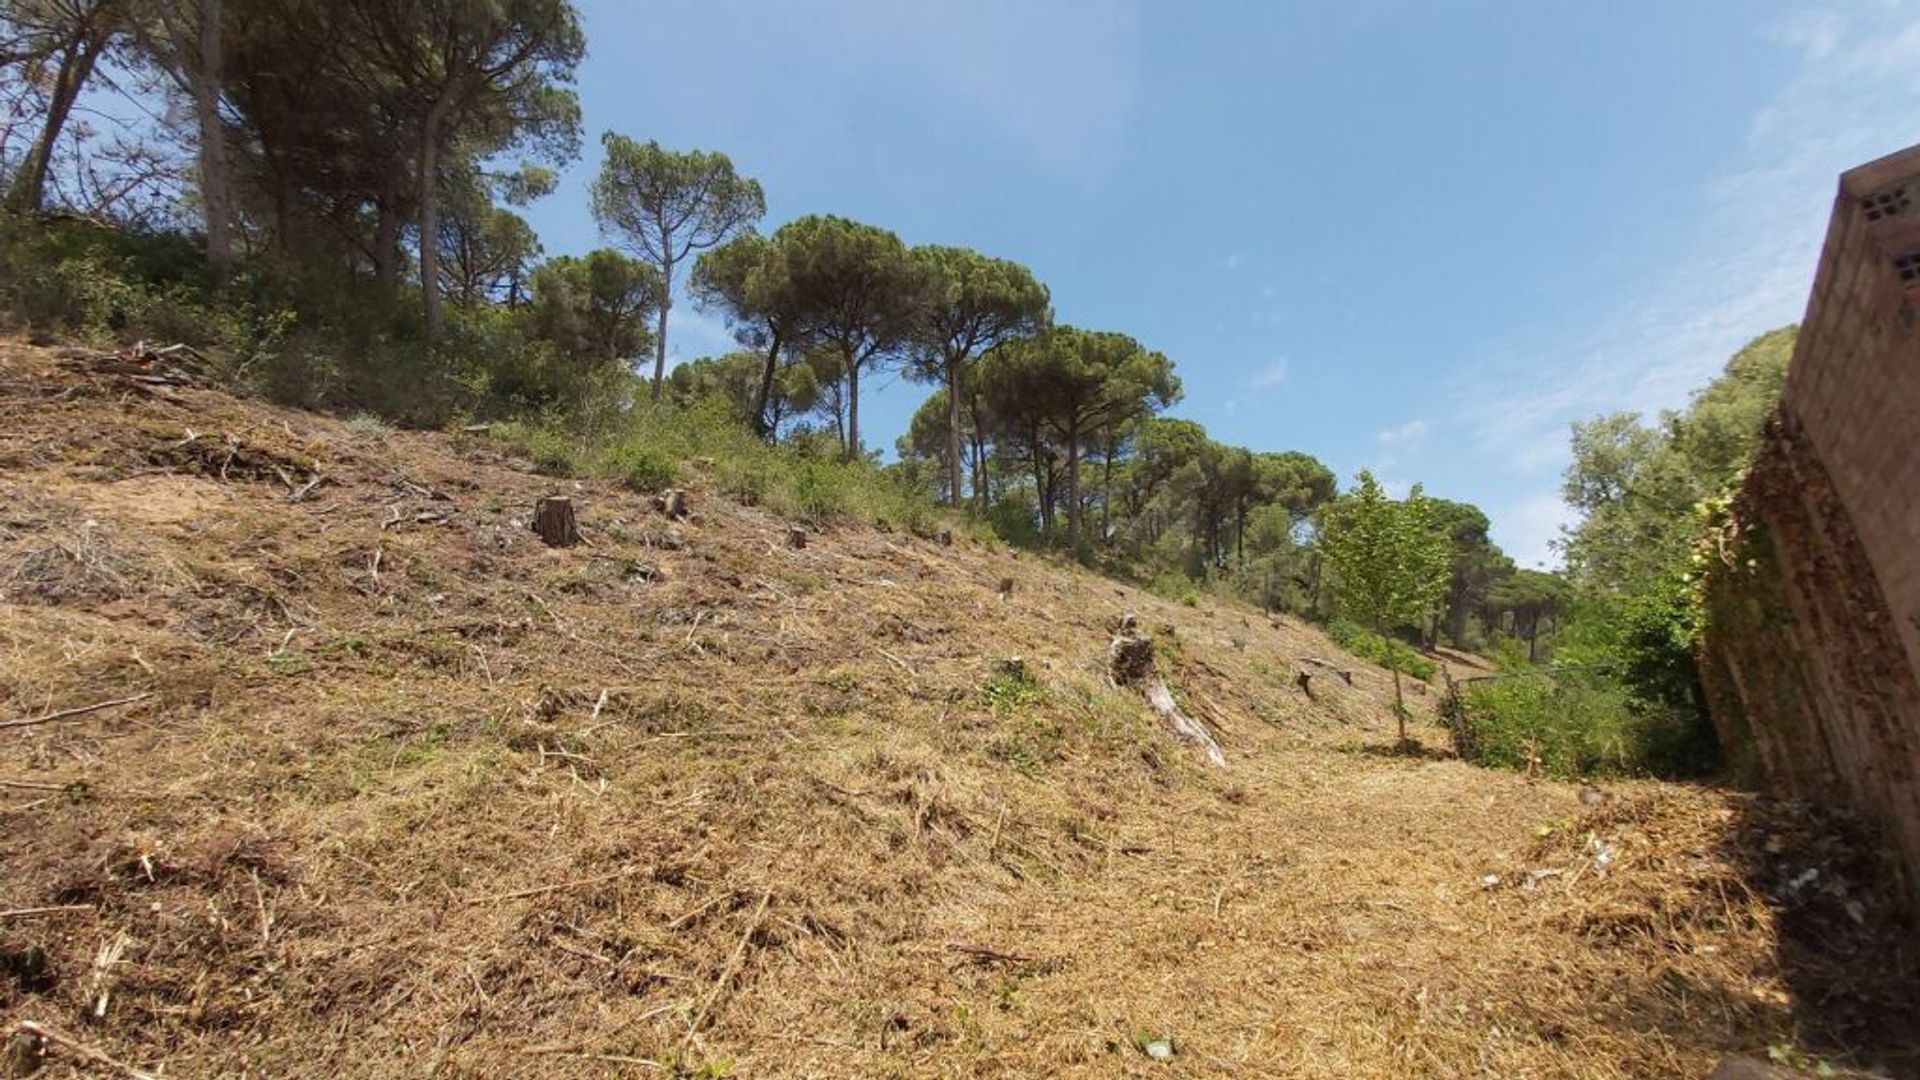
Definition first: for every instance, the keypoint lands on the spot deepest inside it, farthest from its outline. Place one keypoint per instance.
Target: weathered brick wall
(1812, 642)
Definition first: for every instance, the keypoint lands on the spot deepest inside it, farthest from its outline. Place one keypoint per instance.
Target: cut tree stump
(796, 537)
(671, 502)
(553, 520)
(1130, 663)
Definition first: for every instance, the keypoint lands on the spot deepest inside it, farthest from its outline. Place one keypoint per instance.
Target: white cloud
(1852, 98)
(1407, 434)
(1527, 529)
(1272, 375)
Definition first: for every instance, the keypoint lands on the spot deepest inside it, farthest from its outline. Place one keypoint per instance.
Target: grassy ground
(405, 793)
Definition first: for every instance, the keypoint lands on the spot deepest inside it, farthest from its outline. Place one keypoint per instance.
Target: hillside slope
(402, 791)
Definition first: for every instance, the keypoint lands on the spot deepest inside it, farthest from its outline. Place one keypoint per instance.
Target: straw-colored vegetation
(393, 789)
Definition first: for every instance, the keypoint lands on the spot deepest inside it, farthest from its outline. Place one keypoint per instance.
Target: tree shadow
(1398, 750)
(1847, 946)
(1844, 950)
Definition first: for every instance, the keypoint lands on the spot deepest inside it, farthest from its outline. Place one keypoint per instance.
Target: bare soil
(403, 792)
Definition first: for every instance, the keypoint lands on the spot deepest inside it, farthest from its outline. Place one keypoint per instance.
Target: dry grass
(416, 796)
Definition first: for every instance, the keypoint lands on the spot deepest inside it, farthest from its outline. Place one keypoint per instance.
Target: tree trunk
(660, 335)
(761, 423)
(981, 496)
(853, 407)
(216, 194)
(1399, 705)
(386, 247)
(76, 67)
(430, 215)
(953, 430)
(1073, 487)
(1106, 495)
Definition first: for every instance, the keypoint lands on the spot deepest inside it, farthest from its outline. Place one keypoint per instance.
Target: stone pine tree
(1390, 562)
(971, 304)
(465, 76)
(665, 206)
(859, 294)
(1076, 382)
(56, 45)
(750, 280)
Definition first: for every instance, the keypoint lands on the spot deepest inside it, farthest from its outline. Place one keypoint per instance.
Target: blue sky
(1414, 237)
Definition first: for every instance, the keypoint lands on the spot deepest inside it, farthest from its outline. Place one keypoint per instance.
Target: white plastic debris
(1159, 1049)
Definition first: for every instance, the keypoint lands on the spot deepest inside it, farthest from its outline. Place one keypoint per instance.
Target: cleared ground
(403, 792)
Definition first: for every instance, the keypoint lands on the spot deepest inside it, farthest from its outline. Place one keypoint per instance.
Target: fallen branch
(541, 890)
(589, 1055)
(46, 1035)
(65, 714)
(990, 956)
(1184, 726)
(733, 966)
(57, 909)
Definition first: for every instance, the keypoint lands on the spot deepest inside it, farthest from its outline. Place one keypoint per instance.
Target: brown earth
(405, 793)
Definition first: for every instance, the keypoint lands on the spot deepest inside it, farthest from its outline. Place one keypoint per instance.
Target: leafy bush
(1578, 723)
(1390, 654)
(644, 446)
(641, 468)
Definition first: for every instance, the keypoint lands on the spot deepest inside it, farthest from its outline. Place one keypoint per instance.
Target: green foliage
(1010, 691)
(1385, 651)
(1389, 557)
(1529, 719)
(1633, 613)
(641, 468)
(665, 206)
(643, 448)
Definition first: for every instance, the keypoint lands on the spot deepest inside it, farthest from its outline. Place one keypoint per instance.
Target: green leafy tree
(750, 279)
(58, 44)
(461, 79)
(858, 291)
(970, 304)
(665, 205)
(594, 308)
(1075, 381)
(1389, 559)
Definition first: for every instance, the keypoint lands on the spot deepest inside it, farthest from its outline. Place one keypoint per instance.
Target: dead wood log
(1346, 674)
(82, 710)
(1130, 663)
(553, 520)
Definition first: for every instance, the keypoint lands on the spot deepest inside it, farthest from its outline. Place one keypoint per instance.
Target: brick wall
(1812, 642)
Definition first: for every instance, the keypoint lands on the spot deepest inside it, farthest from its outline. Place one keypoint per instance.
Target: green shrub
(1388, 653)
(641, 468)
(1176, 587)
(815, 491)
(1577, 723)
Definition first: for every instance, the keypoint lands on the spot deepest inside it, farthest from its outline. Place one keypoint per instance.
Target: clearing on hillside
(388, 787)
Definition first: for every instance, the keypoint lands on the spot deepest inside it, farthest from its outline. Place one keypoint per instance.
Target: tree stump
(1006, 588)
(796, 537)
(553, 520)
(946, 537)
(1130, 654)
(671, 502)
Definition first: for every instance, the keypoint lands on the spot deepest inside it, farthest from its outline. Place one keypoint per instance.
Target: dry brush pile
(380, 784)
